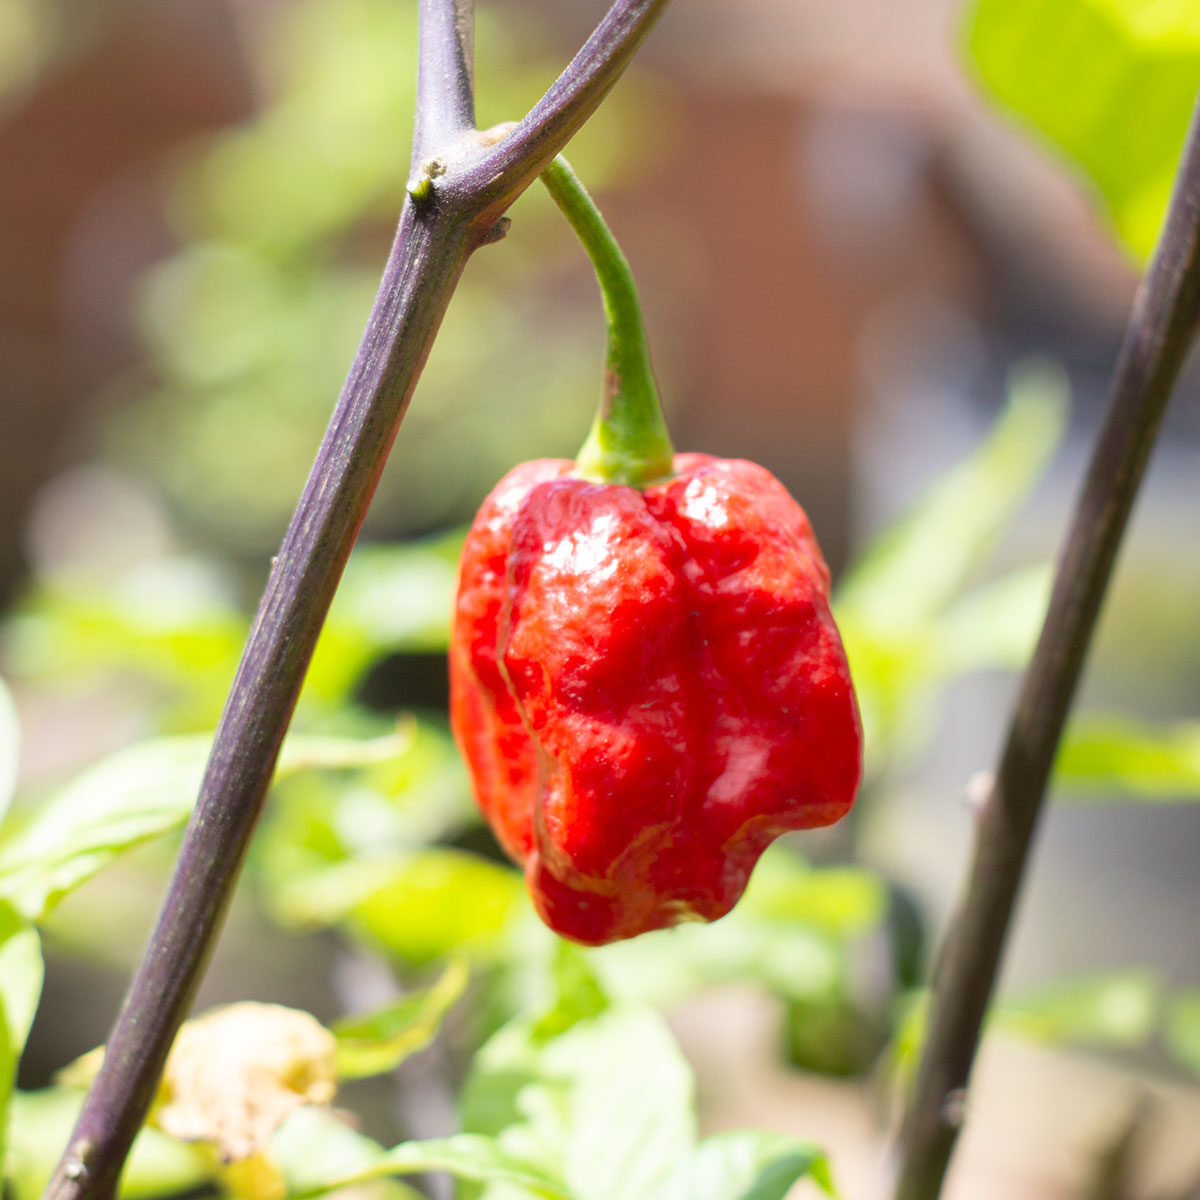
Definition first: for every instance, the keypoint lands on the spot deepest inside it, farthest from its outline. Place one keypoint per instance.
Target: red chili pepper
(648, 687)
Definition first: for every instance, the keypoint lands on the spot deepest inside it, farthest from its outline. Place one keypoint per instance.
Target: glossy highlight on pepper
(648, 688)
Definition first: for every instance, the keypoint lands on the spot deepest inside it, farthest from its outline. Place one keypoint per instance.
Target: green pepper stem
(628, 442)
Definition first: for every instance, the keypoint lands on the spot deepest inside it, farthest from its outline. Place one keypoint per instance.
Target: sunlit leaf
(578, 994)
(21, 971)
(608, 1103)
(171, 620)
(380, 1041)
(1120, 111)
(630, 1113)
(10, 745)
(466, 1156)
(1182, 1031)
(919, 565)
(1118, 1009)
(1106, 759)
(41, 1123)
(843, 902)
(400, 597)
(905, 622)
(438, 901)
(747, 1165)
(131, 797)
(996, 625)
(315, 1145)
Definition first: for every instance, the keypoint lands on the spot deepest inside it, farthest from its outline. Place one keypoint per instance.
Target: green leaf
(1110, 82)
(41, 1123)
(1182, 1030)
(400, 597)
(904, 621)
(20, 986)
(578, 994)
(10, 745)
(917, 567)
(380, 1041)
(1114, 759)
(747, 1164)
(171, 620)
(131, 797)
(608, 1104)
(21, 972)
(630, 1115)
(1119, 1009)
(843, 902)
(996, 625)
(436, 902)
(314, 1145)
(466, 1156)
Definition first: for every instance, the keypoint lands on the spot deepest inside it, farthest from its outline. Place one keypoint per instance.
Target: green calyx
(628, 442)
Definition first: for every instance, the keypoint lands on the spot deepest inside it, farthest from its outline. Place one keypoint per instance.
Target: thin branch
(439, 229)
(1161, 330)
(421, 275)
(445, 77)
(516, 161)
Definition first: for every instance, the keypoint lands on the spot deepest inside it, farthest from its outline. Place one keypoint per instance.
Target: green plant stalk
(1162, 329)
(462, 183)
(628, 442)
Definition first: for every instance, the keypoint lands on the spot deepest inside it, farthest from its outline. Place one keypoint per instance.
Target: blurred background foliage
(146, 557)
(251, 323)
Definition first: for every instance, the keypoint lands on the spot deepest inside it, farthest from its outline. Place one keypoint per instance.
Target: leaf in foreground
(1120, 112)
(464, 1155)
(130, 798)
(748, 1164)
(380, 1041)
(1117, 760)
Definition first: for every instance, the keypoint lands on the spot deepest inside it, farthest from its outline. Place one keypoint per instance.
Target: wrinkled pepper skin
(648, 688)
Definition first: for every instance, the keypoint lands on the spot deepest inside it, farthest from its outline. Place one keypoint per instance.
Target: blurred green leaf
(466, 1156)
(327, 842)
(996, 624)
(400, 597)
(919, 565)
(315, 1144)
(1120, 111)
(10, 746)
(10, 1048)
(41, 1124)
(131, 797)
(747, 1164)
(171, 621)
(843, 902)
(29, 36)
(380, 1041)
(1117, 760)
(1118, 1009)
(832, 1037)
(21, 971)
(285, 221)
(436, 902)
(1182, 1029)
(791, 933)
(1113, 1010)
(905, 621)
(608, 1104)
(578, 994)
(631, 1110)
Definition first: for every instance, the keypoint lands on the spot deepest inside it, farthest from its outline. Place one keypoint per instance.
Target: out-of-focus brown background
(842, 252)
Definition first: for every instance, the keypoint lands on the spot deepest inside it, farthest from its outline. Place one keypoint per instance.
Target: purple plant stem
(1162, 329)
(456, 215)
